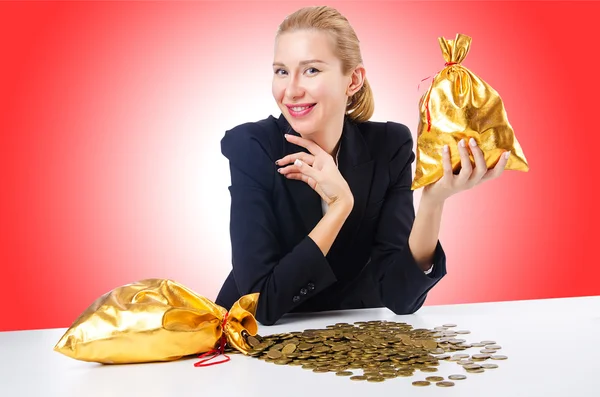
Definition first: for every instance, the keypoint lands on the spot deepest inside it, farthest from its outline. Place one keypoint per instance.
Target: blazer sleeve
(283, 279)
(402, 284)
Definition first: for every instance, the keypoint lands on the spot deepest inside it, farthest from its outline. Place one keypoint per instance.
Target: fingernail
(279, 170)
(507, 155)
(298, 162)
(286, 135)
(462, 143)
(277, 162)
(472, 142)
(445, 148)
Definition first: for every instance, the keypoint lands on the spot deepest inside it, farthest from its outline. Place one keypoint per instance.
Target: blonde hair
(361, 105)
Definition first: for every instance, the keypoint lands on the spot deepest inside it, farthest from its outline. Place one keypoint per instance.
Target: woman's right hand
(318, 170)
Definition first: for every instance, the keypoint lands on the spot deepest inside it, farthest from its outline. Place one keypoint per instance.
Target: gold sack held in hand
(459, 105)
(156, 320)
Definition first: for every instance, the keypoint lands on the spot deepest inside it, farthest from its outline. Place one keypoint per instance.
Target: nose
(294, 89)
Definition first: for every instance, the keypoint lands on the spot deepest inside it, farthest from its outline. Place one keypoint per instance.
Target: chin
(303, 126)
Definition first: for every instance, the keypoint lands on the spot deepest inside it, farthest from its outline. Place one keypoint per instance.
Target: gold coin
(449, 325)
(471, 366)
(421, 383)
(344, 373)
(389, 375)
(358, 377)
(321, 349)
(289, 348)
(499, 357)
(445, 384)
(430, 344)
(277, 346)
(480, 357)
(495, 347)
(434, 378)
(489, 366)
(261, 346)
(487, 351)
(457, 377)
(252, 341)
(375, 379)
(463, 332)
(429, 369)
(460, 355)
(305, 346)
(321, 369)
(282, 361)
(488, 342)
(274, 354)
(476, 371)
(477, 344)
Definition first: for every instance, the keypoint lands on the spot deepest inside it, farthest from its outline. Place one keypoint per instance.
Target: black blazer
(367, 266)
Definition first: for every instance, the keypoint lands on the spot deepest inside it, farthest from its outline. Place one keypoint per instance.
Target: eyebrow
(301, 63)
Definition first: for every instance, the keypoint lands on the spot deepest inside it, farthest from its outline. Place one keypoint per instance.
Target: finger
(305, 143)
(290, 158)
(307, 170)
(465, 164)
(301, 177)
(480, 165)
(301, 168)
(296, 166)
(446, 163)
(499, 168)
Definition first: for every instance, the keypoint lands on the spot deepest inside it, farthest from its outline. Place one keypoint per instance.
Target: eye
(279, 70)
(317, 70)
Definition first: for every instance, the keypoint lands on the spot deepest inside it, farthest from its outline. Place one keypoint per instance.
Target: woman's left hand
(468, 177)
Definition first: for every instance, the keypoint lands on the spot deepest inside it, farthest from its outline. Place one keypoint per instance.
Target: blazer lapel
(306, 200)
(356, 166)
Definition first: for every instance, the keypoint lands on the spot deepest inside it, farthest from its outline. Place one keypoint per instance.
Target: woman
(322, 214)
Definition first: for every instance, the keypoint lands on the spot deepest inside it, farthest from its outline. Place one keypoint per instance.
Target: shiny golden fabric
(155, 320)
(460, 105)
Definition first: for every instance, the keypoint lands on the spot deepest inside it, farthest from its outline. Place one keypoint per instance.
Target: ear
(357, 79)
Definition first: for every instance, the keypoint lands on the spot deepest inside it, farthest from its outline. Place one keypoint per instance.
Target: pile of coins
(380, 349)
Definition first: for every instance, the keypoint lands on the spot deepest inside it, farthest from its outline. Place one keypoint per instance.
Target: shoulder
(390, 137)
(251, 138)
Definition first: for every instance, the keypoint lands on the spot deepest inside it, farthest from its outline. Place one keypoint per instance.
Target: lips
(300, 110)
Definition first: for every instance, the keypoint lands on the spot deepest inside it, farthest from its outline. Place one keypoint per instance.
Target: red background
(112, 113)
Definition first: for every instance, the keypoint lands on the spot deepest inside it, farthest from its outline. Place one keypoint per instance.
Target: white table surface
(553, 349)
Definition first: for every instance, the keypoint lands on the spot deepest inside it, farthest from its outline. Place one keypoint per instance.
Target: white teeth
(297, 109)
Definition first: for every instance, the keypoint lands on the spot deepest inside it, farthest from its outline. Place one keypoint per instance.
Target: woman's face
(308, 84)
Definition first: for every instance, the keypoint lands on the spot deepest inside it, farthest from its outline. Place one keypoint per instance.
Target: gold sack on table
(459, 105)
(156, 320)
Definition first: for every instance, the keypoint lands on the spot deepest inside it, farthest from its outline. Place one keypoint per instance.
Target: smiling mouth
(301, 108)
(300, 111)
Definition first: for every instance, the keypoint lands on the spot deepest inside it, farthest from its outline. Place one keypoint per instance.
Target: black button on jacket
(369, 264)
